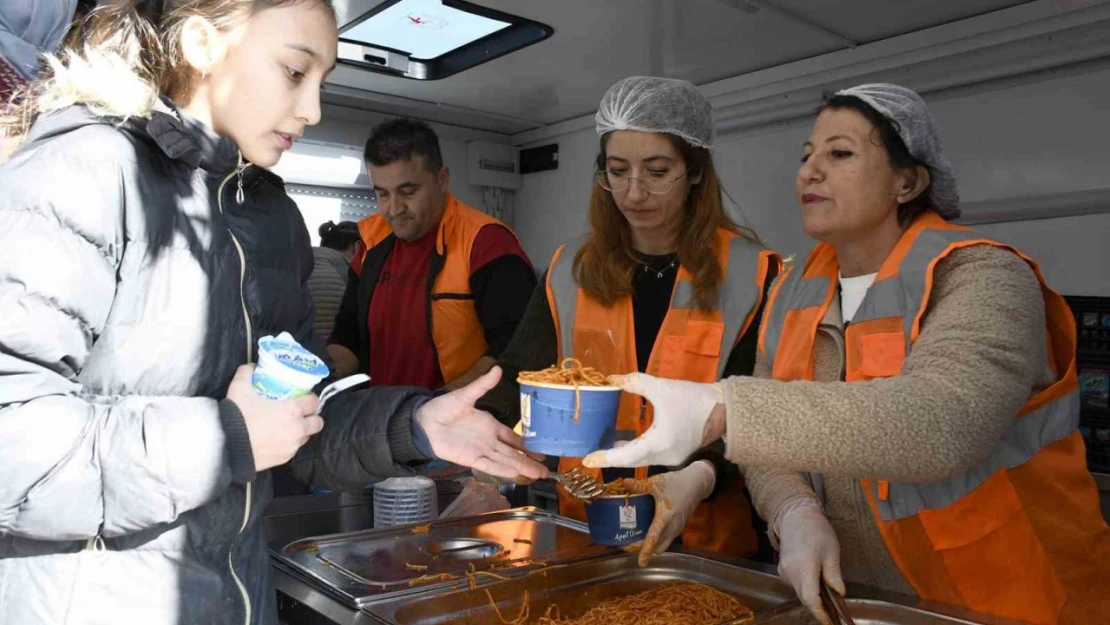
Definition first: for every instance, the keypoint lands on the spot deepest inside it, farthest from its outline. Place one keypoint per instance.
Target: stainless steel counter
(866, 606)
(305, 603)
(301, 604)
(292, 518)
(576, 588)
(397, 564)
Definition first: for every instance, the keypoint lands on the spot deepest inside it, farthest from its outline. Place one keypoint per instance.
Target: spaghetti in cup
(568, 410)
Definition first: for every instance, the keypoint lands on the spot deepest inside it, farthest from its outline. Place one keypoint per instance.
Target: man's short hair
(402, 139)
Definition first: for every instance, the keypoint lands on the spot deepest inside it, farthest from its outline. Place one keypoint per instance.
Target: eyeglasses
(619, 182)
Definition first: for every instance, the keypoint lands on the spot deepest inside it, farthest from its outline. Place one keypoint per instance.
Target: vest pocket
(993, 555)
(459, 337)
(692, 356)
(881, 355)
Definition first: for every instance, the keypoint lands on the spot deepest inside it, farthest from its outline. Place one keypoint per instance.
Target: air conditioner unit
(492, 165)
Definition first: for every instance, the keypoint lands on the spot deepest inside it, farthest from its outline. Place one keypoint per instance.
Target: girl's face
(260, 81)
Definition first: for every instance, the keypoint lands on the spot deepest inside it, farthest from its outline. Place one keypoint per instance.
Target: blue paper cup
(549, 426)
(620, 520)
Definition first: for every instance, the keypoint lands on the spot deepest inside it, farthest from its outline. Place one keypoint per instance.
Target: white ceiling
(598, 42)
(871, 20)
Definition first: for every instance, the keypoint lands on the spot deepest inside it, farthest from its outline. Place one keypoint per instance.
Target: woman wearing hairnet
(665, 283)
(914, 410)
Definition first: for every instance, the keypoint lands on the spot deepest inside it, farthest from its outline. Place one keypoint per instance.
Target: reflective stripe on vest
(737, 297)
(802, 293)
(1026, 438)
(987, 539)
(902, 295)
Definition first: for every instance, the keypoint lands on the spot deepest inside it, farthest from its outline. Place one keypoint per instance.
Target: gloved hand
(676, 495)
(460, 433)
(808, 551)
(679, 428)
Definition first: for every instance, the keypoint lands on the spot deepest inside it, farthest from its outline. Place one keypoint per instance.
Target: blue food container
(548, 424)
(620, 520)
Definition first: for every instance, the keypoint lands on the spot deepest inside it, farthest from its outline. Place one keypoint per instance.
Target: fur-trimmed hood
(102, 81)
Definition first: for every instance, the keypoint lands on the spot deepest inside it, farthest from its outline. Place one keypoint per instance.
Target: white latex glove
(808, 551)
(676, 495)
(462, 434)
(678, 429)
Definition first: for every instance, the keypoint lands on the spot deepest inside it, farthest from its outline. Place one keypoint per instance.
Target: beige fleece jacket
(981, 353)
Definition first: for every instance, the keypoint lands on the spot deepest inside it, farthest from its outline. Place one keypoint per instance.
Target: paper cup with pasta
(620, 517)
(568, 410)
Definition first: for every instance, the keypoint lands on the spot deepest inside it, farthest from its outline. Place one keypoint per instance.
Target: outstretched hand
(462, 434)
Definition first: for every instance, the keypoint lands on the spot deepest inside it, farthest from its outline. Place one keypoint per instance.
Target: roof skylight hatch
(433, 39)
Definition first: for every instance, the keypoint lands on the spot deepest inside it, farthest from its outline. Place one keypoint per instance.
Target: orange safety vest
(456, 329)
(1020, 535)
(692, 345)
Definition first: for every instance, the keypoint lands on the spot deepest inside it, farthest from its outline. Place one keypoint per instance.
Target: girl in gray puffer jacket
(144, 248)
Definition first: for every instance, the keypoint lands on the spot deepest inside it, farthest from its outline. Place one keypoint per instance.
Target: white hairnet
(918, 130)
(651, 104)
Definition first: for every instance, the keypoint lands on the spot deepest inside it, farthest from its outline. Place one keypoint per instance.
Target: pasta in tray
(680, 603)
(570, 372)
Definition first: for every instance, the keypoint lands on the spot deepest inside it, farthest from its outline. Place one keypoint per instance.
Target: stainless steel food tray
(874, 612)
(361, 568)
(579, 586)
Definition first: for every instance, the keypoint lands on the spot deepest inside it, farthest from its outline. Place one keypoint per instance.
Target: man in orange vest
(437, 288)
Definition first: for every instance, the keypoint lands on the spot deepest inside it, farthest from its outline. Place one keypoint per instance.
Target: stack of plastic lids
(404, 500)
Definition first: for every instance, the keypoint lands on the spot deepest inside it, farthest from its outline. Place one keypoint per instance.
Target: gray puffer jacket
(327, 284)
(132, 284)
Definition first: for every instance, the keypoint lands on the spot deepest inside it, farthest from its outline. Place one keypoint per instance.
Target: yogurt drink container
(285, 369)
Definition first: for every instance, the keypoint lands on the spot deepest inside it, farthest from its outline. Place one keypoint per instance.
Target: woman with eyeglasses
(912, 422)
(665, 283)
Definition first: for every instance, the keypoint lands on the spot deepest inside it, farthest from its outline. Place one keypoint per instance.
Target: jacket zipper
(250, 341)
(433, 274)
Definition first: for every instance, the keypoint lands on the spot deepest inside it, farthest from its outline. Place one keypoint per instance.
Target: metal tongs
(834, 605)
(578, 484)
